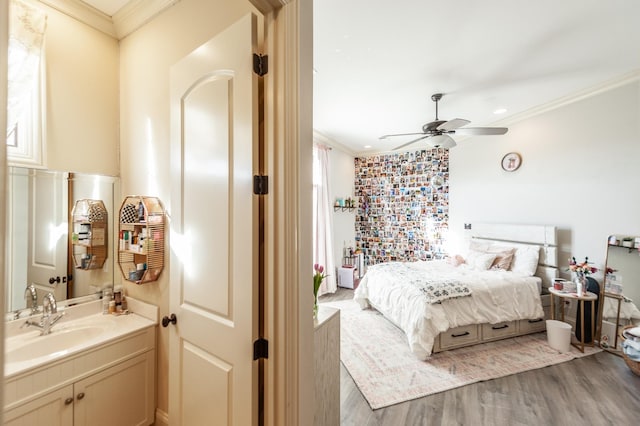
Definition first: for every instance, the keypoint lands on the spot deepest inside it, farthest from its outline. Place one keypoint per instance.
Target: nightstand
(586, 297)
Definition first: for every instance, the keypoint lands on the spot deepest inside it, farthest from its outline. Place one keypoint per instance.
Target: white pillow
(525, 260)
(480, 260)
(476, 245)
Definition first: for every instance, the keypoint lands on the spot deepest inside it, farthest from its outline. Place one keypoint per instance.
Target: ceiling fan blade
(481, 131)
(442, 141)
(400, 134)
(410, 142)
(453, 124)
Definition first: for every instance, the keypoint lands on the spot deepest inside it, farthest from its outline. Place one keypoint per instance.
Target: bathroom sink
(59, 342)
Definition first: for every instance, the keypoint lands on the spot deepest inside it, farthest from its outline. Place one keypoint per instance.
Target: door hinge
(260, 64)
(260, 185)
(260, 349)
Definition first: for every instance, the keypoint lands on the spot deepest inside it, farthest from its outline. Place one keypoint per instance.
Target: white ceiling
(377, 62)
(108, 7)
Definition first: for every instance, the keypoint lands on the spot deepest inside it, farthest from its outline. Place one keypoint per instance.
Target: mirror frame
(631, 243)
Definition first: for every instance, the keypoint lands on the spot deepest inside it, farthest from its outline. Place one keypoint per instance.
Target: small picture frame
(511, 162)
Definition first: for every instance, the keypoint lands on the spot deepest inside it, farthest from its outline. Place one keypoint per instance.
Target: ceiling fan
(437, 132)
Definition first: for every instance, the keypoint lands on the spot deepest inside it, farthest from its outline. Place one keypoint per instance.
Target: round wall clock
(511, 161)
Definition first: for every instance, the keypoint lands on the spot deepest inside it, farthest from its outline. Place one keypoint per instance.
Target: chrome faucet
(30, 293)
(49, 309)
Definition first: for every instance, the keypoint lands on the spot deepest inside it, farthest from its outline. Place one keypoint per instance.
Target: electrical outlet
(467, 226)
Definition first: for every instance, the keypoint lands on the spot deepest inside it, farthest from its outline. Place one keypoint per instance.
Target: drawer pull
(466, 333)
(532, 321)
(499, 327)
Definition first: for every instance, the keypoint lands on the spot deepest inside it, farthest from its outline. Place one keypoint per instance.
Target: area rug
(377, 356)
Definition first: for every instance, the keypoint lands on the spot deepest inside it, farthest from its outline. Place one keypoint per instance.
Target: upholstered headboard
(542, 236)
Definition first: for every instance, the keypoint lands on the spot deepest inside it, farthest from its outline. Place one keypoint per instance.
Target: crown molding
(325, 140)
(136, 13)
(132, 16)
(570, 99)
(84, 13)
(511, 120)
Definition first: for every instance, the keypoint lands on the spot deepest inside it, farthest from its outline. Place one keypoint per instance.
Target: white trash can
(559, 335)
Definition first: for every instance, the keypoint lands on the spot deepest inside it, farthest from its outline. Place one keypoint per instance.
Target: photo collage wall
(403, 209)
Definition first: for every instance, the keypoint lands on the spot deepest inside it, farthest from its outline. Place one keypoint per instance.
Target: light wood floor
(594, 390)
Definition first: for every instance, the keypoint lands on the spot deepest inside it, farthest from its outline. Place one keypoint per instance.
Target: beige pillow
(504, 257)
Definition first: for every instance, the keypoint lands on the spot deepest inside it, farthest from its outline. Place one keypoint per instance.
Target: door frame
(289, 380)
(4, 43)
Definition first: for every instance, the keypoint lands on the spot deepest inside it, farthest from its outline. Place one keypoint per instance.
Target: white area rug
(376, 354)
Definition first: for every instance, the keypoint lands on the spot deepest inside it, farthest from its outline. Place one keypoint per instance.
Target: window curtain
(323, 219)
(27, 25)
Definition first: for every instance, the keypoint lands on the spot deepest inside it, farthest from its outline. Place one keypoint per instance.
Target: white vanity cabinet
(53, 409)
(112, 384)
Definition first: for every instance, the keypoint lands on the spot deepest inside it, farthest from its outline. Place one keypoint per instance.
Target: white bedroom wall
(580, 171)
(342, 186)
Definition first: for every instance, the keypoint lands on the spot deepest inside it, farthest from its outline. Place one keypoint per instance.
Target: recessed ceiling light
(500, 111)
(367, 146)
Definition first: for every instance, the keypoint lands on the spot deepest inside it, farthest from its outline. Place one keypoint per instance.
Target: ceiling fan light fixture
(441, 141)
(436, 132)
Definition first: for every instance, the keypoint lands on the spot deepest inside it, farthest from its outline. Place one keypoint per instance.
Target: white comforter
(496, 296)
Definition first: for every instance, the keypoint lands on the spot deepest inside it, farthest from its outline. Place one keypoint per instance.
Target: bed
(495, 290)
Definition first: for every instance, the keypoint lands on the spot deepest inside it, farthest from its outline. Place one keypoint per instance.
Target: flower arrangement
(582, 268)
(318, 277)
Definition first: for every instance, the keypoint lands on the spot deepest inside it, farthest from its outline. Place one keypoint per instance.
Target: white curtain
(322, 218)
(27, 25)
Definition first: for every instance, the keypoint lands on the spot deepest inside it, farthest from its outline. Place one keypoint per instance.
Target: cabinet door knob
(68, 401)
(169, 319)
(80, 395)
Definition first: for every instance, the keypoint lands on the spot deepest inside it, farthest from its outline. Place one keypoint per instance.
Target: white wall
(82, 87)
(342, 186)
(580, 171)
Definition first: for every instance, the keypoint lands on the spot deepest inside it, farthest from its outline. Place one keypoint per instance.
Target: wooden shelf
(89, 219)
(141, 226)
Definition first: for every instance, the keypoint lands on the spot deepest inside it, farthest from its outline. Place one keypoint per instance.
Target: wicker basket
(633, 365)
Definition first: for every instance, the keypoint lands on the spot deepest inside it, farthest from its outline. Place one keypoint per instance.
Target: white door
(212, 375)
(48, 233)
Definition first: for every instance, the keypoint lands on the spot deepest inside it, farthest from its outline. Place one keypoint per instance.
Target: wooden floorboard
(594, 390)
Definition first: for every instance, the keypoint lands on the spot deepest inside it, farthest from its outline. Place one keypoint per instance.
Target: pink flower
(318, 276)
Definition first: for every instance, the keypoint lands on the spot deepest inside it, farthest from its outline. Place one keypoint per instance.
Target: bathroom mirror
(39, 248)
(621, 287)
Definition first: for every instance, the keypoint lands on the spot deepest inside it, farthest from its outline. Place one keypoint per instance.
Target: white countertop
(82, 328)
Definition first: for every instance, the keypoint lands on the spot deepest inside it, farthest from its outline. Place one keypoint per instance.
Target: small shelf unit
(141, 238)
(344, 208)
(89, 235)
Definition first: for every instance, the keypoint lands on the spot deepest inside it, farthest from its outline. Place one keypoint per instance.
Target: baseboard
(162, 418)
